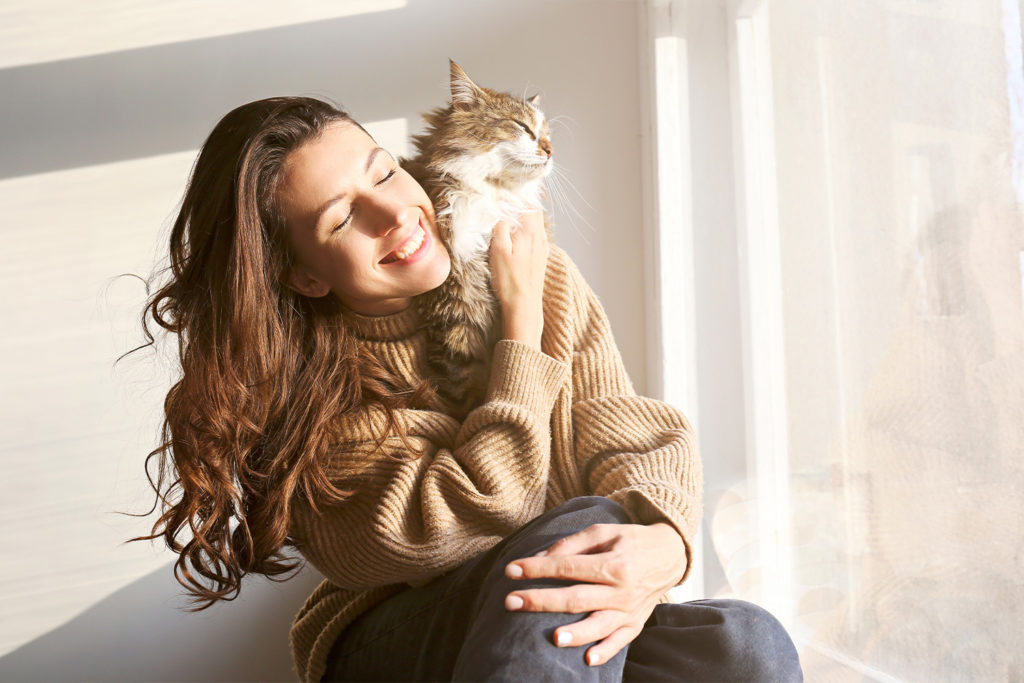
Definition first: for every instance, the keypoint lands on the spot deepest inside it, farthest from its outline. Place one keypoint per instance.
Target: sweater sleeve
(638, 451)
(410, 518)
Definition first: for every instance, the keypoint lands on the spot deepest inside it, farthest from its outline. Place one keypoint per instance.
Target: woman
(531, 540)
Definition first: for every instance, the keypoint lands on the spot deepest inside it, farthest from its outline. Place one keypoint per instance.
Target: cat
(482, 158)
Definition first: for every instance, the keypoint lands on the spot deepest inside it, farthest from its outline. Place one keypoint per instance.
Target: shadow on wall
(115, 639)
(165, 98)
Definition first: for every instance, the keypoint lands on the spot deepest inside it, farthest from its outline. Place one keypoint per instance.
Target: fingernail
(592, 658)
(513, 602)
(542, 553)
(513, 571)
(564, 638)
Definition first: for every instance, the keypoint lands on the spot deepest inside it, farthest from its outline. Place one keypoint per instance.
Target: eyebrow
(344, 193)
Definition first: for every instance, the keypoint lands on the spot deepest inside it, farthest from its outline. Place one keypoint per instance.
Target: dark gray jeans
(457, 628)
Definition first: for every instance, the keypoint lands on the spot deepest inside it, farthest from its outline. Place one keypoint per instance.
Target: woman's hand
(519, 256)
(623, 570)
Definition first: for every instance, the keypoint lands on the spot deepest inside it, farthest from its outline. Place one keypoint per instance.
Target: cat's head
(497, 135)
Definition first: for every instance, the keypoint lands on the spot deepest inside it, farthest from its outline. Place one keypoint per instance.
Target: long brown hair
(264, 369)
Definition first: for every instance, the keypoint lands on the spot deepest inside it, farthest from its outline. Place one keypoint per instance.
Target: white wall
(96, 147)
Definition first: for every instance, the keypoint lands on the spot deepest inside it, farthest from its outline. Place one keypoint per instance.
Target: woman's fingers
(611, 630)
(583, 556)
(529, 235)
(598, 626)
(574, 599)
(599, 568)
(500, 238)
(617, 573)
(518, 265)
(532, 223)
(595, 538)
(610, 646)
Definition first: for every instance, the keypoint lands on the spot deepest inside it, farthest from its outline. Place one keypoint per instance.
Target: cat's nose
(546, 147)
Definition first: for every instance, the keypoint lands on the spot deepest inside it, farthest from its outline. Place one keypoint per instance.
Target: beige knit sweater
(555, 424)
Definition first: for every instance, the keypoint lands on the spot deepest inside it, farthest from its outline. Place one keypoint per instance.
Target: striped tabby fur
(482, 158)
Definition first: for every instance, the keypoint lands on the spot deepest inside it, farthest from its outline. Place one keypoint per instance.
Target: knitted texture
(556, 423)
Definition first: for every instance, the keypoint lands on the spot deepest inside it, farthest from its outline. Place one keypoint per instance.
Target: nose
(388, 213)
(546, 147)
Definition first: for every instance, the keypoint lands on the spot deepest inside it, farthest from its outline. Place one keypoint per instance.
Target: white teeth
(412, 245)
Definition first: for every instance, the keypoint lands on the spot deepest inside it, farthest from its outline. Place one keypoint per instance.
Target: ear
(534, 101)
(464, 91)
(304, 283)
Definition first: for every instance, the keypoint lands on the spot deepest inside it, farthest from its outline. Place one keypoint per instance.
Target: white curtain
(898, 147)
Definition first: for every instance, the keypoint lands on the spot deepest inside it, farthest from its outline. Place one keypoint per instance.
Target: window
(876, 158)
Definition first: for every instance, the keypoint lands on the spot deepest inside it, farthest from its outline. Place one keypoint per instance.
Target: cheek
(349, 278)
(446, 267)
(523, 146)
(353, 261)
(336, 260)
(414, 193)
(501, 154)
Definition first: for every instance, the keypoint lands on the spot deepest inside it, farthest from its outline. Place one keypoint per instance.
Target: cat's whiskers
(556, 171)
(559, 120)
(508, 162)
(560, 198)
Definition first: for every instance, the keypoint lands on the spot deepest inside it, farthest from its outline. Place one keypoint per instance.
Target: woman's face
(361, 227)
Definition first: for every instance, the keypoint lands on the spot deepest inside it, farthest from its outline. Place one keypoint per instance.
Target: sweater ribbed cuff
(526, 376)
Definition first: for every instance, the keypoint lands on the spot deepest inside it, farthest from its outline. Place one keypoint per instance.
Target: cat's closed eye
(526, 128)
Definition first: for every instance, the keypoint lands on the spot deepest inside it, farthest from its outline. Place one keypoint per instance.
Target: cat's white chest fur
(475, 210)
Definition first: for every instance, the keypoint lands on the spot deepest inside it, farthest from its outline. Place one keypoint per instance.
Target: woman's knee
(561, 521)
(503, 644)
(564, 520)
(755, 644)
(587, 510)
(713, 640)
(520, 647)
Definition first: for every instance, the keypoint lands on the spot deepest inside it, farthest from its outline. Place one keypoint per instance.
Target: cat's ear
(464, 91)
(534, 101)
(304, 283)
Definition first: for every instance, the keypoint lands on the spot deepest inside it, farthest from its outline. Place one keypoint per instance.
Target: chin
(436, 278)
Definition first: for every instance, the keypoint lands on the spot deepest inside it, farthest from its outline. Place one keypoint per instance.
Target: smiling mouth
(408, 248)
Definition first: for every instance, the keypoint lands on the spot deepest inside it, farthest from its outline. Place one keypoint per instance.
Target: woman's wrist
(525, 327)
(672, 539)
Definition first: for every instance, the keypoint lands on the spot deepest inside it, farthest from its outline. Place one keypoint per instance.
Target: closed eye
(348, 219)
(526, 128)
(352, 213)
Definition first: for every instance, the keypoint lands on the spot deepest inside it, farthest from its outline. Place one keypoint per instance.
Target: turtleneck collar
(391, 327)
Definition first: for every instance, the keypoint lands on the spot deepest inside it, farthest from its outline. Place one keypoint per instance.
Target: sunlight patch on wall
(391, 134)
(35, 31)
(75, 428)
